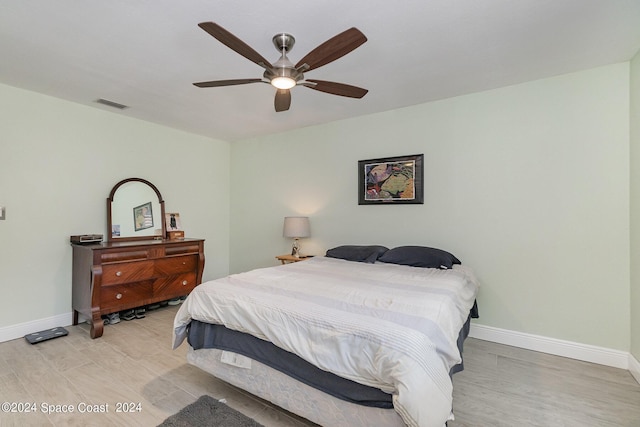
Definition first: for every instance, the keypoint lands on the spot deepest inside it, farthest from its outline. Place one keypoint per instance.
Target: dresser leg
(97, 327)
(75, 317)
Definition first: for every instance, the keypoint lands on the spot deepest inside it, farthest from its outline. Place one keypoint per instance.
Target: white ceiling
(147, 53)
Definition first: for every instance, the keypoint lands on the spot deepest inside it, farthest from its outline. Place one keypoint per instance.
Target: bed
(362, 336)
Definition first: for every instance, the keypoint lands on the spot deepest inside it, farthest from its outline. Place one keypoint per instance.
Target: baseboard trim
(12, 332)
(572, 350)
(634, 367)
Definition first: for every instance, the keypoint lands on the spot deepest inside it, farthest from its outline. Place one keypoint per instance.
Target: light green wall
(528, 185)
(635, 206)
(58, 163)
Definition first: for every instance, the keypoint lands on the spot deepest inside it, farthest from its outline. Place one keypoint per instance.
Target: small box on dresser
(115, 276)
(175, 235)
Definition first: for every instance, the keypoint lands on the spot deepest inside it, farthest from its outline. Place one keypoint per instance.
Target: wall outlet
(2, 212)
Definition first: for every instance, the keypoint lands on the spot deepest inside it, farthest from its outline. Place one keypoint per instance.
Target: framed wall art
(391, 180)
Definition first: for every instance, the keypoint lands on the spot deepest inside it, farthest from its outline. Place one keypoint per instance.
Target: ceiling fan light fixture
(283, 82)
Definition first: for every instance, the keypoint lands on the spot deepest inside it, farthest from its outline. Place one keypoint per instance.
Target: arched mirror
(135, 211)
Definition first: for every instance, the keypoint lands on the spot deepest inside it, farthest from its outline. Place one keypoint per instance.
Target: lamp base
(295, 249)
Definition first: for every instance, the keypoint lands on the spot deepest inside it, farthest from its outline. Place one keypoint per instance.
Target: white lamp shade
(296, 227)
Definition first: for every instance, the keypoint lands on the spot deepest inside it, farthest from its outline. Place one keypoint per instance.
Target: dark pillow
(419, 256)
(357, 253)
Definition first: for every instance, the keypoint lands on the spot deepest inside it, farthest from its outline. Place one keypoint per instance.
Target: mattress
(390, 327)
(205, 335)
(212, 336)
(288, 393)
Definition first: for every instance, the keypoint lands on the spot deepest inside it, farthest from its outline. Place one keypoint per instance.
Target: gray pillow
(420, 256)
(368, 254)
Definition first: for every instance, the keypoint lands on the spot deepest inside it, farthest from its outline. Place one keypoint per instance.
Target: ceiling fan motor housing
(283, 70)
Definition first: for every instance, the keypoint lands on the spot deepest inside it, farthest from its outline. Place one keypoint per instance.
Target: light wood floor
(133, 363)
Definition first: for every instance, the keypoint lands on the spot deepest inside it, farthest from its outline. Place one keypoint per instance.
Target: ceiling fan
(283, 75)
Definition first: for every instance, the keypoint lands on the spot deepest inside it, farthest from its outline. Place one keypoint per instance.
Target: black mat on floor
(207, 411)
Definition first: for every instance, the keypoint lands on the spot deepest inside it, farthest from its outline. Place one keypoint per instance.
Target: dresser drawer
(192, 248)
(126, 272)
(174, 286)
(129, 295)
(124, 255)
(174, 265)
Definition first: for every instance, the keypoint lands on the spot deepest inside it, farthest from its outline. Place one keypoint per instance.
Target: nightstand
(285, 259)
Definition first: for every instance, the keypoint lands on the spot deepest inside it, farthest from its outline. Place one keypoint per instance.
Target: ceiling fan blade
(334, 48)
(282, 101)
(335, 88)
(218, 83)
(234, 43)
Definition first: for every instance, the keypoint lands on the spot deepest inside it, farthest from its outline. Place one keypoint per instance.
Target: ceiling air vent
(111, 104)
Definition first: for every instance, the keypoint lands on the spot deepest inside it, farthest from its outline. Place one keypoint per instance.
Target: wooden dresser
(115, 276)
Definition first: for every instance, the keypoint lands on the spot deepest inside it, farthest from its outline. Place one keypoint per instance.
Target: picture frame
(391, 180)
(172, 221)
(143, 217)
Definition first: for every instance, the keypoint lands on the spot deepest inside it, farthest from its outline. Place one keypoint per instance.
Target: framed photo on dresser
(172, 221)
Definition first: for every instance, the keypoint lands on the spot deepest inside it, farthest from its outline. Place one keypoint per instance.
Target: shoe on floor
(175, 301)
(127, 315)
(139, 313)
(110, 319)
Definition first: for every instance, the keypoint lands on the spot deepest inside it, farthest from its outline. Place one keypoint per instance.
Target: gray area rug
(207, 411)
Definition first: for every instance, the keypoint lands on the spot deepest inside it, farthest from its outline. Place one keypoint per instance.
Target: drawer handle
(118, 296)
(118, 273)
(184, 263)
(184, 283)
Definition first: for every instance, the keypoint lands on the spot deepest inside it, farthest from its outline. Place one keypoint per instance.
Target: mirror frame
(110, 238)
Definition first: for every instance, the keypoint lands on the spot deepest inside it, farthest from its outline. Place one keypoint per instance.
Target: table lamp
(296, 227)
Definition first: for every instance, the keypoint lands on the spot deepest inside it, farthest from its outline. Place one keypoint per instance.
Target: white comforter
(383, 325)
